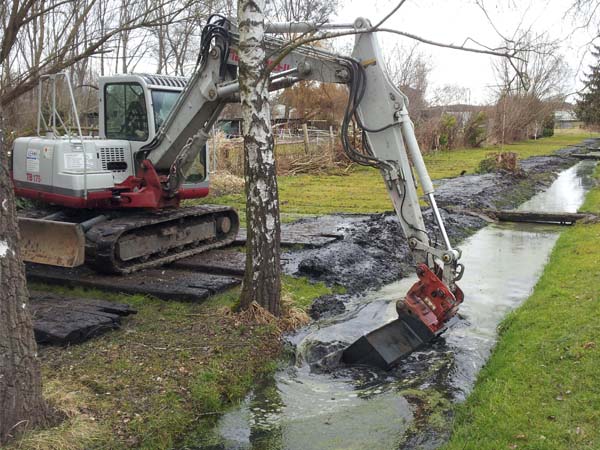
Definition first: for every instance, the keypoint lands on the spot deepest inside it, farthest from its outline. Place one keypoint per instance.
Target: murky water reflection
(357, 408)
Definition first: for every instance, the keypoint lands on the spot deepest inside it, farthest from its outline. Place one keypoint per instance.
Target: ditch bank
(374, 252)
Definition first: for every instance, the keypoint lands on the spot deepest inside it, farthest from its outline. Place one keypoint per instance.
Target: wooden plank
(557, 218)
(291, 238)
(59, 320)
(164, 283)
(219, 261)
(590, 155)
(552, 218)
(310, 232)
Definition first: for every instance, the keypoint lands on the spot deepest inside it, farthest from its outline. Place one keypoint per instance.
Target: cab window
(125, 112)
(163, 102)
(197, 172)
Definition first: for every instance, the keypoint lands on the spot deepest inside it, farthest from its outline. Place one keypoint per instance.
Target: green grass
(592, 199)
(362, 189)
(540, 388)
(304, 292)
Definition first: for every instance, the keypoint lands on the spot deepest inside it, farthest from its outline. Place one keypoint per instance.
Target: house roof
(565, 116)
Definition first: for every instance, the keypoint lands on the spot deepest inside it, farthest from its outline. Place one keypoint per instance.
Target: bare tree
(176, 43)
(586, 15)
(21, 403)
(450, 94)
(539, 71)
(317, 11)
(409, 70)
(262, 279)
(529, 89)
(72, 37)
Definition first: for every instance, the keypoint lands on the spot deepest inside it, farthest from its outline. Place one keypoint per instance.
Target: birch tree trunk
(21, 403)
(262, 279)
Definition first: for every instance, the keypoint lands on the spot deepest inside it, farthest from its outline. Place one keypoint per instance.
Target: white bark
(262, 282)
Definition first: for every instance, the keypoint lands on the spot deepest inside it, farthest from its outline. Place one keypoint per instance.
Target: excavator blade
(426, 311)
(51, 242)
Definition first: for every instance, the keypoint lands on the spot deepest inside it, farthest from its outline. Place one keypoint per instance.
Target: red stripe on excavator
(103, 199)
(143, 193)
(187, 193)
(94, 198)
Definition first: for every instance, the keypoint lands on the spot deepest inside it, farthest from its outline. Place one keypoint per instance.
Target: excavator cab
(135, 106)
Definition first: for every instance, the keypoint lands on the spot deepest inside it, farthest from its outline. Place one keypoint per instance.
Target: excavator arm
(382, 114)
(213, 85)
(389, 144)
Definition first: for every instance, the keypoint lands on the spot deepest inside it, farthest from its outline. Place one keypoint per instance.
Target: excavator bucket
(389, 344)
(52, 242)
(425, 312)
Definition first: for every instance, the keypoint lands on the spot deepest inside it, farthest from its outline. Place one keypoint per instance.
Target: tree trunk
(262, 280)
(124, 40)
(21, 403)
(305, 136)
(161, 49)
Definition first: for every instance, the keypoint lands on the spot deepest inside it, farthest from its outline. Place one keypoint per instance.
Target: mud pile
(501, 189)
(373, 251)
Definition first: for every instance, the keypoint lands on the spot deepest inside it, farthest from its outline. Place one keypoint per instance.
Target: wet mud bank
(373, 251)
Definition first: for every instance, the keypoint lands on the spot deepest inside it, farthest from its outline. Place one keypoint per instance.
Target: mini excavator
(117, 196)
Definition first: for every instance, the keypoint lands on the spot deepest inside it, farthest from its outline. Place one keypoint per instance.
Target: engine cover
(63, 171)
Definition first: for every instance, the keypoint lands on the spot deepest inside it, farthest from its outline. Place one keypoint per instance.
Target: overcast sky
(452, 21)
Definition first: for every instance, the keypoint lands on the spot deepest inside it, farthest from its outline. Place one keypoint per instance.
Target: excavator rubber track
(135, 241)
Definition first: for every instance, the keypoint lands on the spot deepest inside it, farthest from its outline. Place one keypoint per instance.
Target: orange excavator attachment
(431, 300)
(424, 313)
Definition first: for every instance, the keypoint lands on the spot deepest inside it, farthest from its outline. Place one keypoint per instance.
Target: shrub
(476, 130)
(448, 131)
(548, 126)
(507, 161)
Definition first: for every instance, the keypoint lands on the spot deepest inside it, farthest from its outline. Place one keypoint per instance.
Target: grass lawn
(362, 189)
(175, 366)
(540, 388)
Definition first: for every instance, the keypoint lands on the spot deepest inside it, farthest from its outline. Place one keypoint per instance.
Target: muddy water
(567, 192)
(306, 407)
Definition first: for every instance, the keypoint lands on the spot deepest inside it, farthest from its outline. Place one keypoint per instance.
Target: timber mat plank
(291, 238)
(219, 261)
(59, 320)
(594, 155)
(164, 283)
(313, 232)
